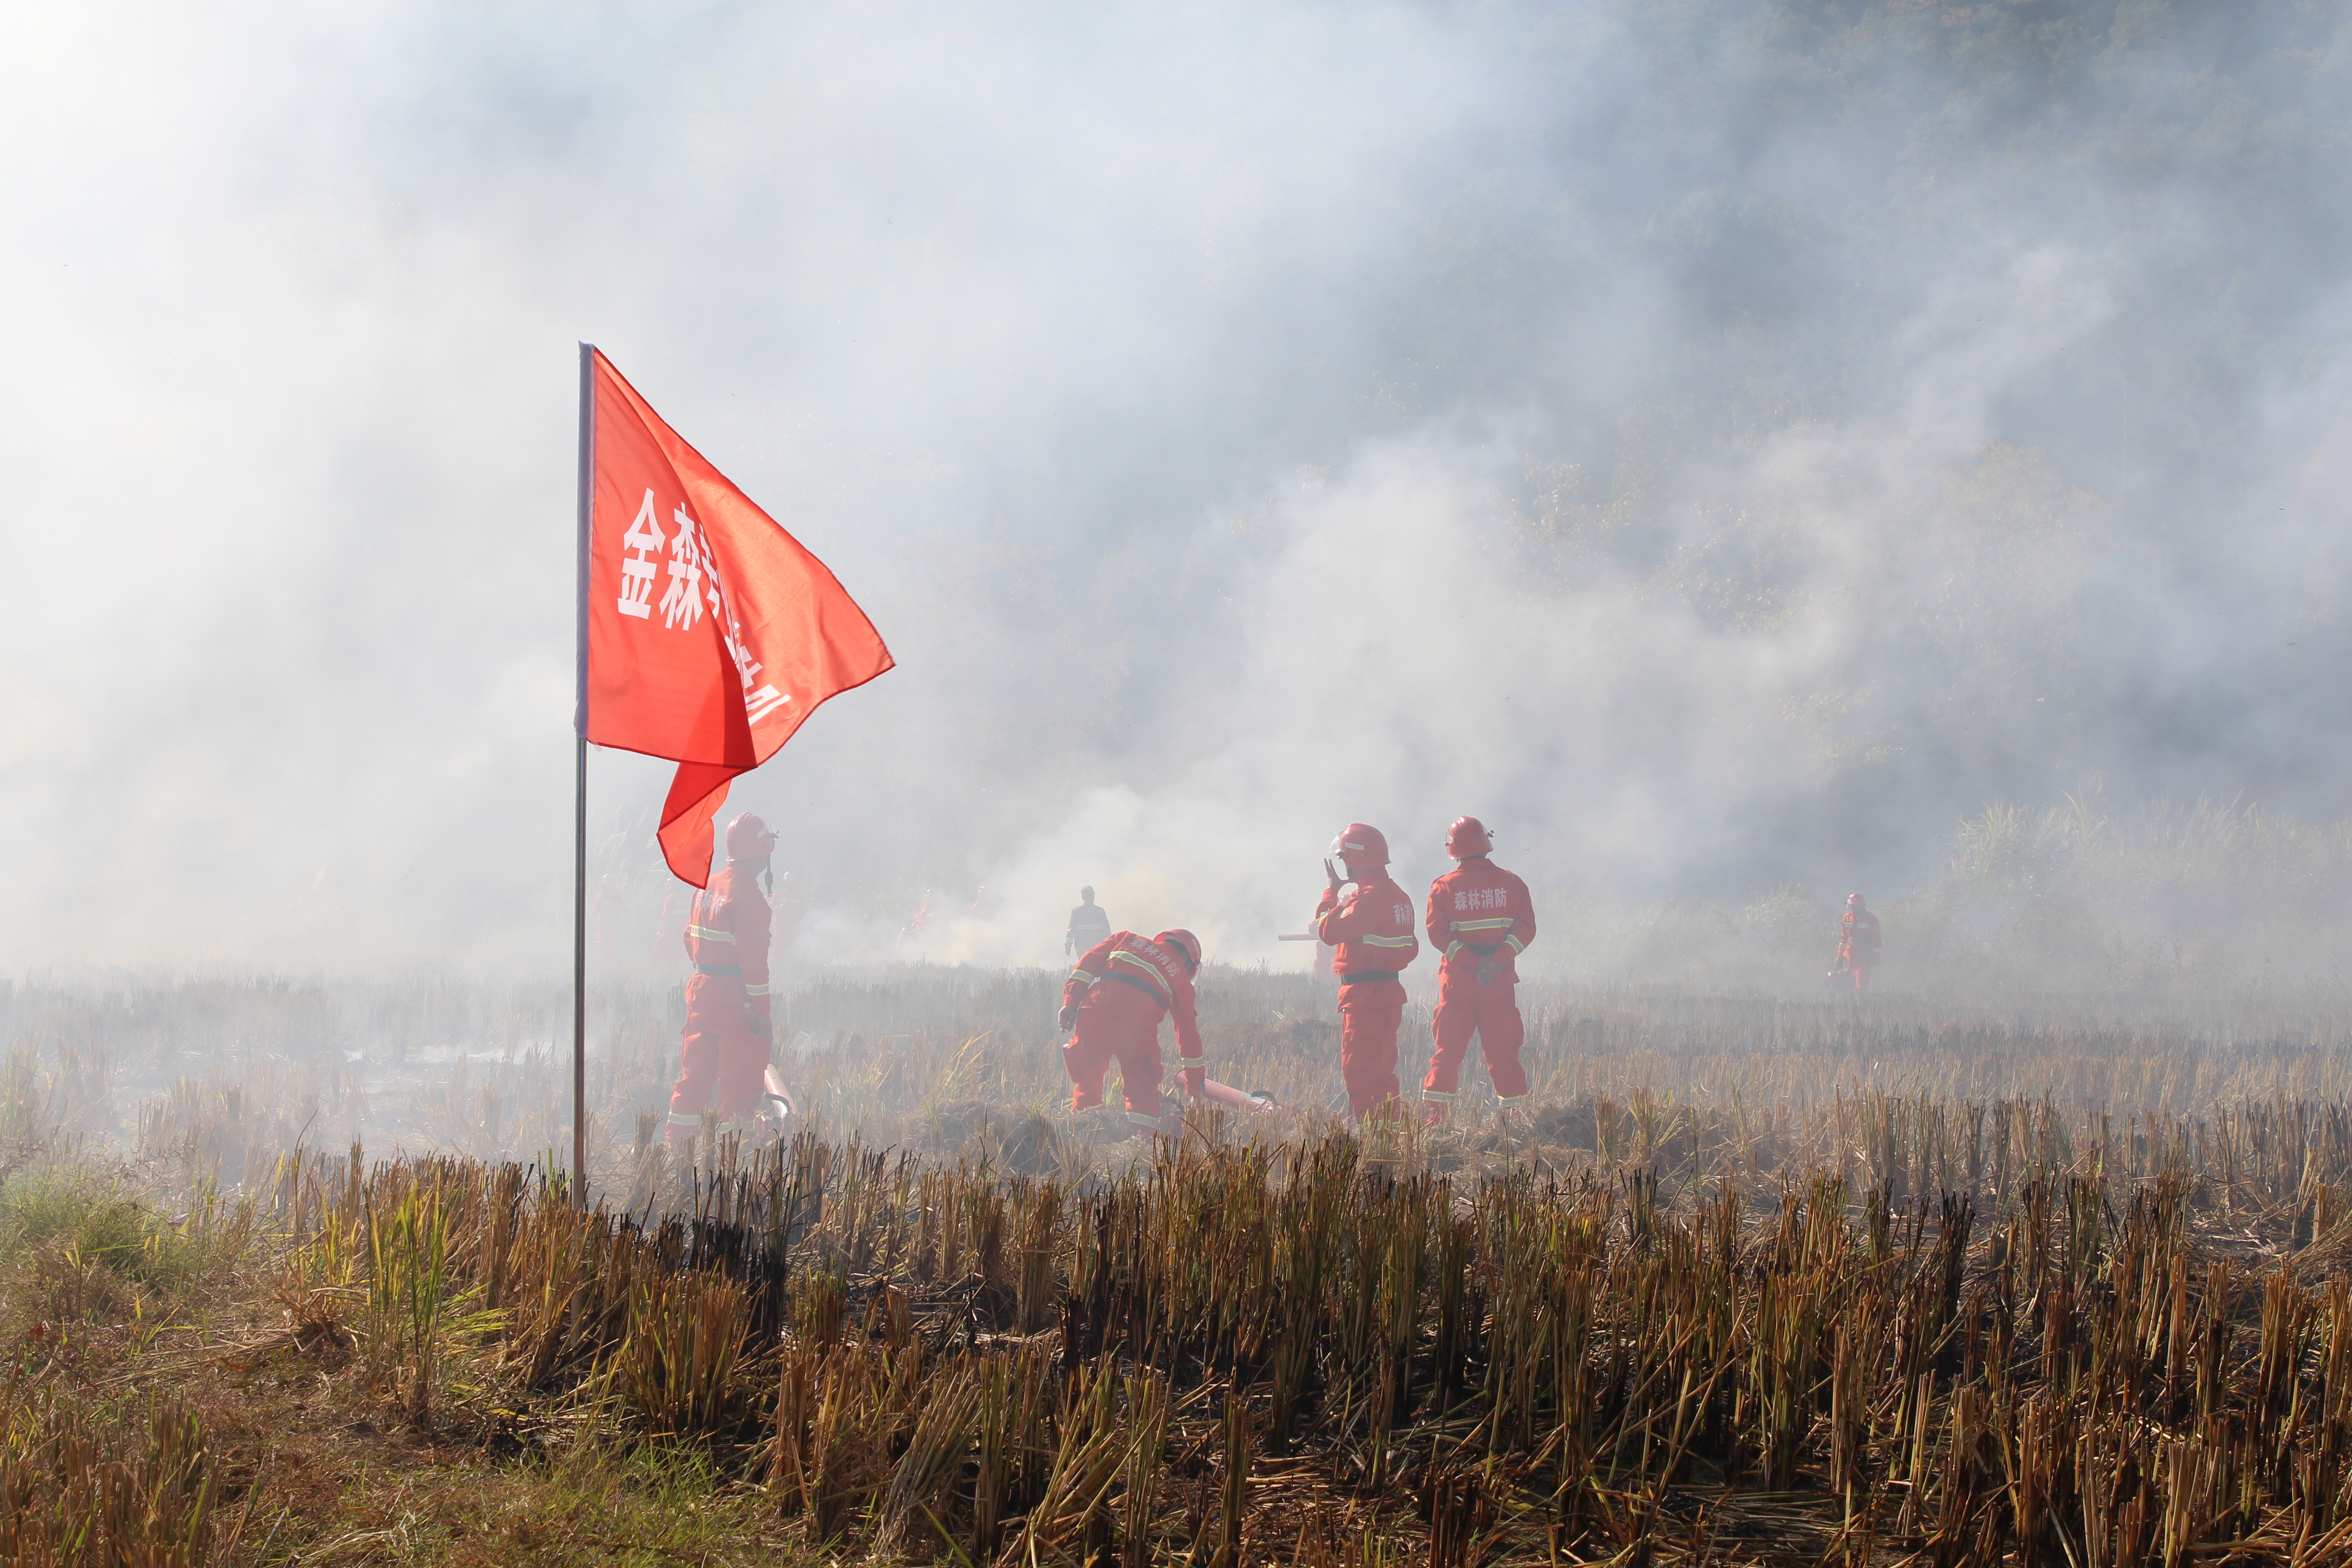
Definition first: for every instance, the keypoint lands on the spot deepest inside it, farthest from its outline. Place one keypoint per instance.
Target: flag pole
(579, 793)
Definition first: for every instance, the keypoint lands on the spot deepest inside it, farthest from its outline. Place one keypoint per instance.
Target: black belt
(1143, 985)
(702, 968)
(1483, 949)
(1363, 976)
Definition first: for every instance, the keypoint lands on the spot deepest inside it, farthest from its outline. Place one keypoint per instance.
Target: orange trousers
(1134, 1046)
(722, 1064)
(1491, 1012)
(1368, 1048)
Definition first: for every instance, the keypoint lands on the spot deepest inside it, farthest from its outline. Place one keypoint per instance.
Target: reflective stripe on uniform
(1484, 925)
(1386, 940)
(684, 1118)
(1159, 981)
(1452, 948)
(1510, 1098)
(1143, 1118)
(704, 933)
(1517, 946)
(1145, 987)
(755, 991)
(1085, 974)
(1446, 1094)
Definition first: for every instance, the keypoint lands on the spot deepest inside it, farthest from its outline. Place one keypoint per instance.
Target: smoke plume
(1721, 445)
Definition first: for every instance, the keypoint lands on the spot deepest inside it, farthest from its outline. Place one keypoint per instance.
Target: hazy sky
(1717, 443)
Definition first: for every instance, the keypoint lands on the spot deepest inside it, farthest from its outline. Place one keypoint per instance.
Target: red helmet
(1361, 846)
(1185, 943)
(749, 837)
(1468, 838)
(1853, 901)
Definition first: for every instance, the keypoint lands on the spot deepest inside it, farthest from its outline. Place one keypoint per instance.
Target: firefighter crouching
(1372, 929)
(1112, 1004)
(1858, 942)
(1480, 919)
(723, 1058)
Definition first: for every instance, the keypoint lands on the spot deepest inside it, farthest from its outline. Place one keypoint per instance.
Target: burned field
(1704, 1304)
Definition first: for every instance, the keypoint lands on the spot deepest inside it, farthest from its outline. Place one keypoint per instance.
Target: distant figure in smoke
(662, 924)
(1857, 946)
(1371, 929)
(1112, 1005)
(1481, 920)
(724, 1056)
(1088, 924)
(922, 917)
(786, 900)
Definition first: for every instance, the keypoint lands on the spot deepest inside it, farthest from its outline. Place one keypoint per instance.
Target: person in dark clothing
(1088, 924)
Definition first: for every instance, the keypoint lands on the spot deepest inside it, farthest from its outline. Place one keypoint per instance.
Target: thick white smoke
(1718, 446)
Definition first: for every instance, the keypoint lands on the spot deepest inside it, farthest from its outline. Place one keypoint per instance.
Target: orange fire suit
(724, 1060)
(1122, 987)
(1373, 929)
(1478, 913)
(1858, 946)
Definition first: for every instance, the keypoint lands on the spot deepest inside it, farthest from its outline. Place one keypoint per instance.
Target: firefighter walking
(723, 1058)
(1858, 942)
(1112, 1005)
(1480, 920)
(1371, 931)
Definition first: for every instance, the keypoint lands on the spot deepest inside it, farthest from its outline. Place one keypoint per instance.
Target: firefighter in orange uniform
(1480, 920)
(1857, 944)
(1112, 1005)
(729, 1029)
(1372, 929)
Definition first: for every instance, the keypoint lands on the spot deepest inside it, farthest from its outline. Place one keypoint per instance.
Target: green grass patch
(90, 1216)
(636, 1503)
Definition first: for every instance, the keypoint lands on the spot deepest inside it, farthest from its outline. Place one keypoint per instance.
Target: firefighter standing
(1088, 924)
(1372, 929)
(1480, 920)
(1112, 1004)
(724, 1056)
(1858, 940)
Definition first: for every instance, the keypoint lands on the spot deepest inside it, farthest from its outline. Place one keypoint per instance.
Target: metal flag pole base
(580, 981)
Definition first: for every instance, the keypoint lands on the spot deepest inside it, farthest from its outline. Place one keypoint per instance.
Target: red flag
(708, 634)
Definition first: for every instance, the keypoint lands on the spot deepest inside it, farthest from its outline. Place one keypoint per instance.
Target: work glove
(1488, 970)
(1067, 1019)
(761, 1025)
(1331, 875)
